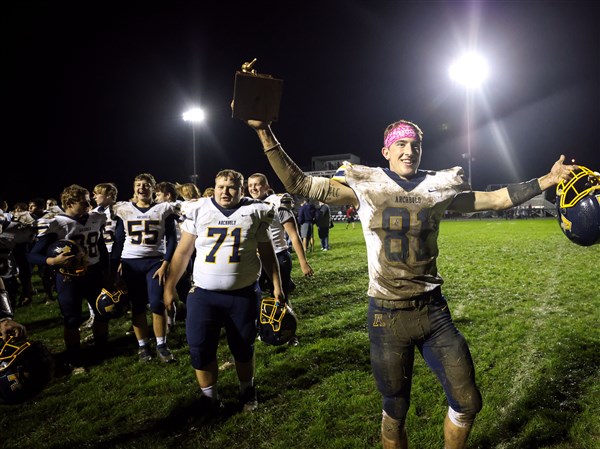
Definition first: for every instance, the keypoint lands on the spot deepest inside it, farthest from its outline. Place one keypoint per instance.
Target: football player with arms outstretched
(80, 273)
(400, 208)
(145, 239)
(226, 231)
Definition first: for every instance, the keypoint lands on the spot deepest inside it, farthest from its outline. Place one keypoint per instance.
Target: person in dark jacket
(323, 224)
(307, 215)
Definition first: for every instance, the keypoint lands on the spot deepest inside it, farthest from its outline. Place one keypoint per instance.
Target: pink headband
(401, 131)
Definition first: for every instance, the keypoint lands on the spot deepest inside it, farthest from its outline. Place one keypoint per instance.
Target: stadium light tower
(194, 116)
(470, 71)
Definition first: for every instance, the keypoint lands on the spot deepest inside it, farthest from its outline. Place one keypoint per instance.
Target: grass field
(524, 296)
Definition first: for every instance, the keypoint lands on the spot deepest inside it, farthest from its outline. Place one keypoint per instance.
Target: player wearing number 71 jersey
(400, 209)
(226, 231)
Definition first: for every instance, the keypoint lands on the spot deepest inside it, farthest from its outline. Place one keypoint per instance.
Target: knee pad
(242, 354)
(158, 308)
(464, 420)
(138, 307)
(200, 358)
(396, 407)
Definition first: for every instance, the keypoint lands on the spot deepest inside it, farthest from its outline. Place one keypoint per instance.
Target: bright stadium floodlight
(194, 116)
(471, 71)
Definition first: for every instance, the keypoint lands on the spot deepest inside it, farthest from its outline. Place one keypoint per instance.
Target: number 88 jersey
(85, 231)
(400, 220)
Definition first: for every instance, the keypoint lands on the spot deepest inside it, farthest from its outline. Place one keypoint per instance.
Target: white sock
(143, 342)
(210, 392)
(161, 340)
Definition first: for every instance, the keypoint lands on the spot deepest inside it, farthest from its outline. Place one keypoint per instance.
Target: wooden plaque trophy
(256, 96)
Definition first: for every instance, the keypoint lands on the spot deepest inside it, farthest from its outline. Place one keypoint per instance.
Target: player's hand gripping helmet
(77, 266)
(578, 207)
(277, 323)
(25, 369)
(112, 304)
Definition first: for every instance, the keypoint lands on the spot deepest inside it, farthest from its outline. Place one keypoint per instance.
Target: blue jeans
(324, 236)
(395, 332)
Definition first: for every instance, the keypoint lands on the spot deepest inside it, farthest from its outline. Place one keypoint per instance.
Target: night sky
(94, 91)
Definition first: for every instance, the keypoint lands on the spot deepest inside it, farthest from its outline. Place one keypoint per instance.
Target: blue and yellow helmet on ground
(25, 369)
(578, 206)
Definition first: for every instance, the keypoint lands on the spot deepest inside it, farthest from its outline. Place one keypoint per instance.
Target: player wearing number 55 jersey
(85, 228)
(145, 239)
(226, 231)
(400, 208)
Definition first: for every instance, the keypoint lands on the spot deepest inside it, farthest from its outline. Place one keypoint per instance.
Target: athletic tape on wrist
(519, 193)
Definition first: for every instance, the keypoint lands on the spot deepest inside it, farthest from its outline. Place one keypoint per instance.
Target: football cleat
(164, 353)
(76, 266)
(248, 401)
(112, 304)
(277, 323)
(25, 369)
(144, 353)
(578, 207)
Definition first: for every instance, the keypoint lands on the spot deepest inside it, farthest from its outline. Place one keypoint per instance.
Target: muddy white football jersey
(400, 221)
(227, 241)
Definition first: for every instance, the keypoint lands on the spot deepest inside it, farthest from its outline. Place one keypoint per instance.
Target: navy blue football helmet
(277, 323)
(112, 304)
(77, 266)
(25, 369)
(578, 207)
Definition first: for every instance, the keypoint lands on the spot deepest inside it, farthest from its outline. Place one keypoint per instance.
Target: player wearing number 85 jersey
(226, 231)
(85, 228)
(105, 195)
(400, 208)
